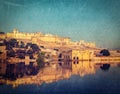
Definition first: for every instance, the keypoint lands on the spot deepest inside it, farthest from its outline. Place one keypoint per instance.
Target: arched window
(74, 62)
(74, 58)
(77, 62)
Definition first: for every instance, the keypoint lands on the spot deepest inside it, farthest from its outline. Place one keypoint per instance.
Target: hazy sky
(90, 20)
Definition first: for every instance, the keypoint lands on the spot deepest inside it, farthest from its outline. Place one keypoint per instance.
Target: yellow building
(77, 55)
(2, 36)
(74, 57)
(36, 37)
(87, 44)
(19, 35)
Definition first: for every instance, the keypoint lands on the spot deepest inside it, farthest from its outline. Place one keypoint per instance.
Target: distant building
(73, 56)
(77, 54)
(2, 35)
(37, 37)
(87, 44)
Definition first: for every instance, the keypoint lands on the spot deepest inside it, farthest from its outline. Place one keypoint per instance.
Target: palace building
(37, 37)
(75, 56)
(78, 55)
(40, 38)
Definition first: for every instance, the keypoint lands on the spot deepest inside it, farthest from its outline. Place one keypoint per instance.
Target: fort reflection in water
(60, 72)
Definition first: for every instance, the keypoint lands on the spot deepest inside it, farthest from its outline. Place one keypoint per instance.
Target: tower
(15, 31)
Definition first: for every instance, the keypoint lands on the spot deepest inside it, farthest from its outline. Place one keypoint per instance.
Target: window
(77, 62)
(73, 57)
(74, 62)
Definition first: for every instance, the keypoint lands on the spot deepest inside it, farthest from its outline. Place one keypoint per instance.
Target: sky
(90, 20)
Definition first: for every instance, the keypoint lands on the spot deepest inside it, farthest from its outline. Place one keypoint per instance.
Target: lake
(103, 79)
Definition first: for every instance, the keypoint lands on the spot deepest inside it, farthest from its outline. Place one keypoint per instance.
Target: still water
(98, 82)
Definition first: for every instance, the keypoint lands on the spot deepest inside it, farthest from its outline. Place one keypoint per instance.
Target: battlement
(39, 37)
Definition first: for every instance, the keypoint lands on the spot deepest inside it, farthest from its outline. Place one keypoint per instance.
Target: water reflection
(14, 71)
(105, 67)
(81, 68)
(63, 70)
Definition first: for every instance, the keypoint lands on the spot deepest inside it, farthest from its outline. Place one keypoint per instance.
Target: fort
(40, 38)
(19, 54)
(37, 37)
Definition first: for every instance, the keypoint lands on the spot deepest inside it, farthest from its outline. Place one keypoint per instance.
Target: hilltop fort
(39, 38)
(24, 54)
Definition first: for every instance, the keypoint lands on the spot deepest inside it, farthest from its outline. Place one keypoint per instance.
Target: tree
(35, 47)
(105, 52)
(105, 67)
(10, 72)
(2, 32)
(11, 53)
(13, 42)
(40, 60)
